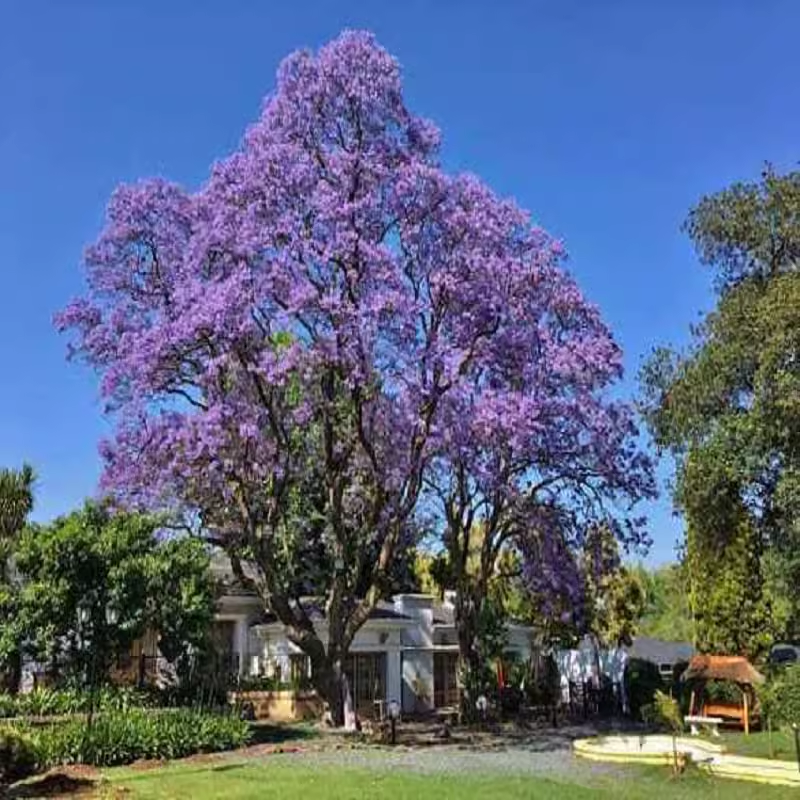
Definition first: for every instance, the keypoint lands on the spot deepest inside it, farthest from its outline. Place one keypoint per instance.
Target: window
(445, 680)
(366, 676)
(300, 670)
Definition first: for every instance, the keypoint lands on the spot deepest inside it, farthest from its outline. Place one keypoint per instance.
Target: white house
(407, 651)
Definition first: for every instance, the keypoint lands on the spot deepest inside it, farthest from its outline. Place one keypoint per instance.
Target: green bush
(120, 738)
(63, 702)
(722, 692)
(780, 698)
(642, 681)
(18, 755)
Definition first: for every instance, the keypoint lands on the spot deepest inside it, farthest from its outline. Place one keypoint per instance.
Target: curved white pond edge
(708, 756)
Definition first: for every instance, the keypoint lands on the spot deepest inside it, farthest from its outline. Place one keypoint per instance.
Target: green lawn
(238, 780)
(757, 744)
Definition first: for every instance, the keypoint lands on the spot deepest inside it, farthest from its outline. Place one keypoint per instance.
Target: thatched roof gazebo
(734, 669)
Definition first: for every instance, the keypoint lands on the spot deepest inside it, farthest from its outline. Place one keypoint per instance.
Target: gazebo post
(746, 711)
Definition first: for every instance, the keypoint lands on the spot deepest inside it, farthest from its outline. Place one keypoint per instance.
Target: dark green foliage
(16, 500)
(728, 410)
(642, 681)
(731, 613)
(541, 681)
(750, 230)
(120, 738)
(18, 755)
(16, 503)
(722, 692)
(96, 560)
(666, 613)
(780, 698)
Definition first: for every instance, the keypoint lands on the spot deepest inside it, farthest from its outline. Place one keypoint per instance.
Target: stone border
(708, 756)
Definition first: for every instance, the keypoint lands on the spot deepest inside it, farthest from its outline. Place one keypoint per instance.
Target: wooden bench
(695, 722)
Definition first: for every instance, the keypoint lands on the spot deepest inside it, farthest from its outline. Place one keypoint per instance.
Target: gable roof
(383, 611)
(660, 652)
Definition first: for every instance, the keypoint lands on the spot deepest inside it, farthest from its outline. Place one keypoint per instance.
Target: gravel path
(546, 754)
(511, 761)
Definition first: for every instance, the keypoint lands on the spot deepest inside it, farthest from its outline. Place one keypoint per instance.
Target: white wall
(579, 665)
(417, 671)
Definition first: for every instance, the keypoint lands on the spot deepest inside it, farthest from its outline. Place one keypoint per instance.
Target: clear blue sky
(606, 119)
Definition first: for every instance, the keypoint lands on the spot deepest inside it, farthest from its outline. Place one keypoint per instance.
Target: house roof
(736, 669)
(383, 611)
(660, 652)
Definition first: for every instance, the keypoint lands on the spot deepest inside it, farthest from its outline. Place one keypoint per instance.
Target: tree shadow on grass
(52, 785)
(264, 733)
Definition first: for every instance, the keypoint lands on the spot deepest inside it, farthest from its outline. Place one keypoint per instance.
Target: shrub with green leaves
(18, 755)
(120, 738)
(780, 697)
(723, 692)
(642, 681)
(48, 702)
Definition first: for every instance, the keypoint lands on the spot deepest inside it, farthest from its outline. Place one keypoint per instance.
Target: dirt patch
(259, 750)
(64, 782)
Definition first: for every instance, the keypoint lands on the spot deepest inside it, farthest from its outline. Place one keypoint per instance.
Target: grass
(242, 780)
(757, 744)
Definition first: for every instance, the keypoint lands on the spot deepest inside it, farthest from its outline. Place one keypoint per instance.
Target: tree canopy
(666, 612)
(332, 302)
(95, 560)
(728, 410)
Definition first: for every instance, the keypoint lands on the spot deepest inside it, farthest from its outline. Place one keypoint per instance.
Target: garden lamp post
(482, 704)
(393, 709)
(85, 619)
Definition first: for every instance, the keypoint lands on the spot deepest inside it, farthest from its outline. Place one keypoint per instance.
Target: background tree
(94, 559)
(666, 614)
(16, 503)
(614, 596)
(728, 412)
(330, 303)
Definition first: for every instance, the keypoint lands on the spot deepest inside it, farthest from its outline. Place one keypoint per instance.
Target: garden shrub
(120, 738)
(48, 702)
(780, 698)
(722, 692)
(18, 755)
(543, 688)
(642, 681)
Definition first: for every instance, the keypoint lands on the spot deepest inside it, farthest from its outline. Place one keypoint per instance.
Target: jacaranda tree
(328, 304)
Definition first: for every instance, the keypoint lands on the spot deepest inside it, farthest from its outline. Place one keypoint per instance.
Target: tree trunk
(330, 682)
(12, 676)
(471, 665)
